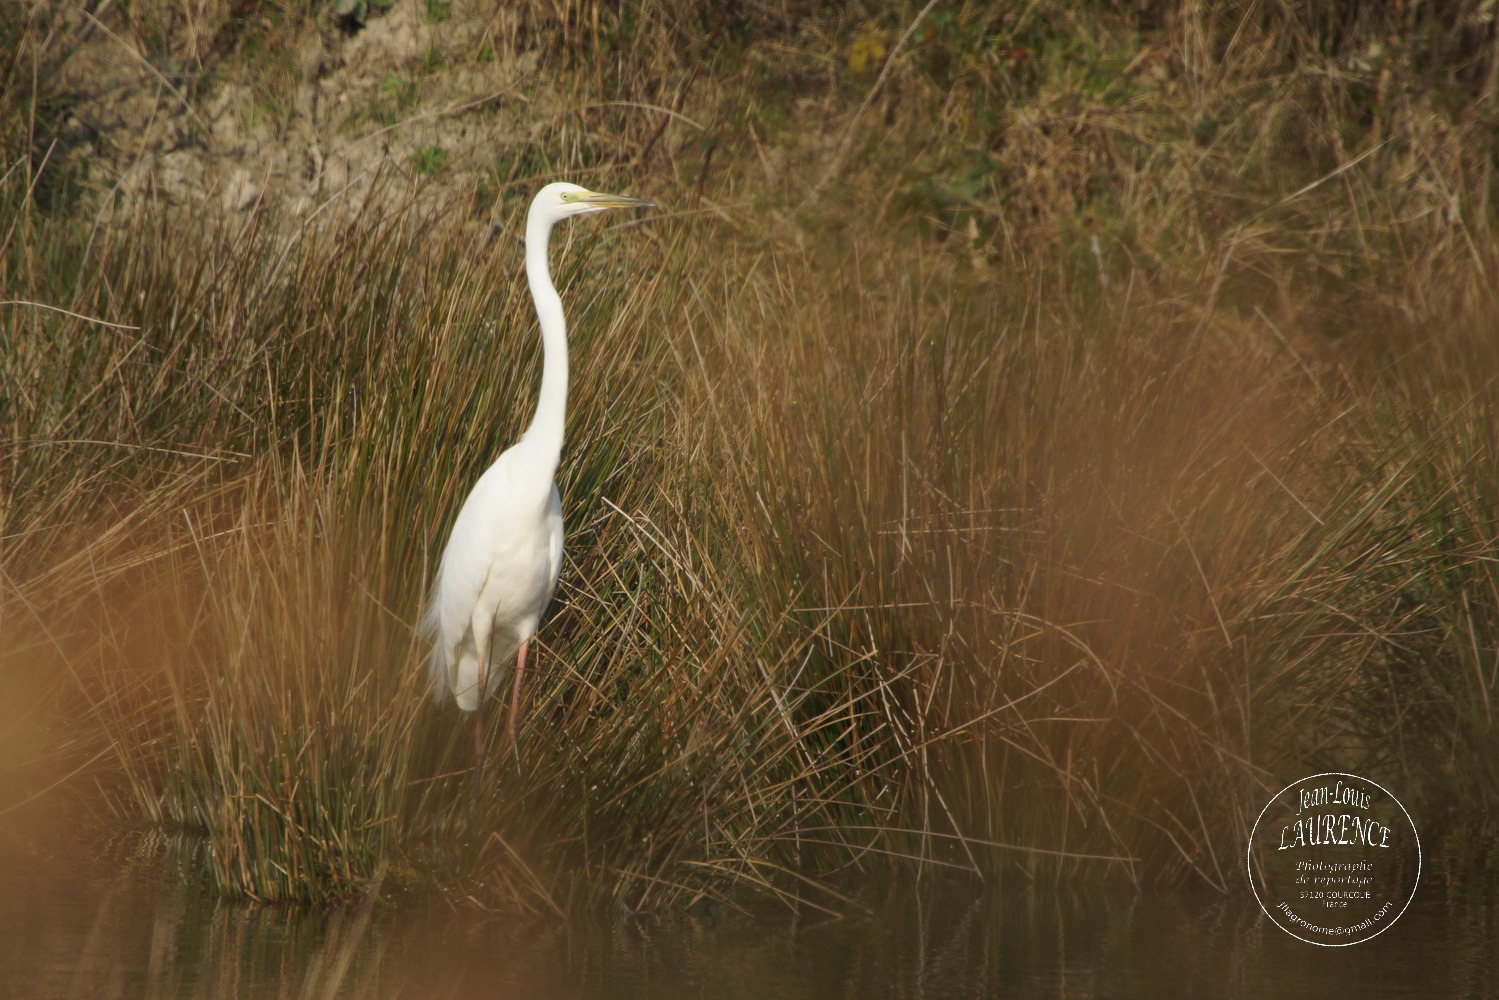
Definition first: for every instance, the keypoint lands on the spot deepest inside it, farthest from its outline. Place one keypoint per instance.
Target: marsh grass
(941, 536)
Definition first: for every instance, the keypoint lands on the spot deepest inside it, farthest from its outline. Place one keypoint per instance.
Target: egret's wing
(465, 566)
(554, 537)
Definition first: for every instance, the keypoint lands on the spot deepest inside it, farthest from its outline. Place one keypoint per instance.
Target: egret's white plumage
(503, 557)
(497, 575)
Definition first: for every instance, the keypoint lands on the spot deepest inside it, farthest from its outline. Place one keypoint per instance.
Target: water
(90, 919)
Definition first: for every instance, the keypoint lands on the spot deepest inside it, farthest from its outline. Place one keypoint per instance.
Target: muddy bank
(437, 102)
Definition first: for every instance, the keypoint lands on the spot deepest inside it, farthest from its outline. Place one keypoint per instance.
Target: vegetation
(1034, 437)
(428, 160)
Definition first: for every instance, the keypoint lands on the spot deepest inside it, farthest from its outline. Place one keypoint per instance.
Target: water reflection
(86, 921)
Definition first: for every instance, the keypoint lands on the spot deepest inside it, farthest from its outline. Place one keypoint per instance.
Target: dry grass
(1039, 492)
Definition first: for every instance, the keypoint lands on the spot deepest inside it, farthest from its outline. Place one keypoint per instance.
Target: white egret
(503, 557)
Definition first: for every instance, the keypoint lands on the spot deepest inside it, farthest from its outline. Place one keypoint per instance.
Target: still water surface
(81, 923)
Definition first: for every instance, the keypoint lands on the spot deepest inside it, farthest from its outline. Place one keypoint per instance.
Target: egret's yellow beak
(598, 200)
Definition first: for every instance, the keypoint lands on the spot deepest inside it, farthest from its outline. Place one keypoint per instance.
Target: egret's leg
(514, 720)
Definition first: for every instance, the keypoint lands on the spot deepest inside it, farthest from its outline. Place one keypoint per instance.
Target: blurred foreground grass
(1065, 462)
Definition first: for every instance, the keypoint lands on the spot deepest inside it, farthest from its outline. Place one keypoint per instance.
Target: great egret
(503, 557)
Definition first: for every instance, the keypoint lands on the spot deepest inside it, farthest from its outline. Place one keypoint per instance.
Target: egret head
(561, 200)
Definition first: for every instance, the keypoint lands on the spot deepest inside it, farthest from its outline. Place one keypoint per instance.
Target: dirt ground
(312, 120)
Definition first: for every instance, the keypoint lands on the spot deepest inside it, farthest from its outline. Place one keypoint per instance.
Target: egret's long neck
(545, 432)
